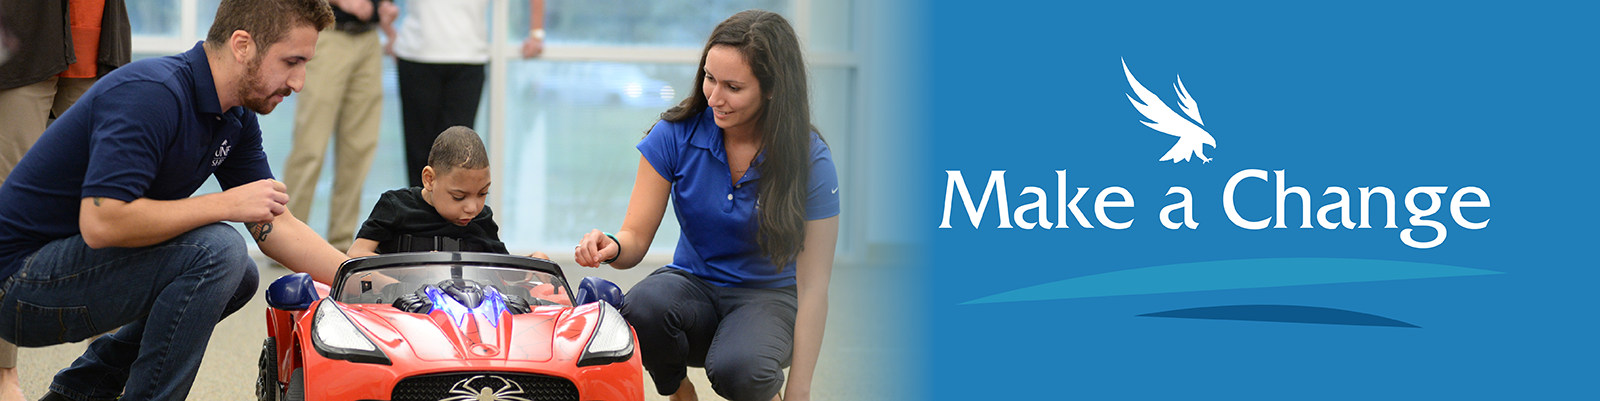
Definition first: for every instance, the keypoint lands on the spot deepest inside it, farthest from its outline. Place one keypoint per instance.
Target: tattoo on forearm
(97, 201)
(259, 231)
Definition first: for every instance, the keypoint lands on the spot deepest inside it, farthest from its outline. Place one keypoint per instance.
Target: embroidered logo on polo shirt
(221, 154)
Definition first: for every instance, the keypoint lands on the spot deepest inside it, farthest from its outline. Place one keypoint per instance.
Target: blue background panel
(1496, 96)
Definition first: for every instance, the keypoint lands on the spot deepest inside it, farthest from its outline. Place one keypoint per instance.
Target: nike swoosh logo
(835, 189)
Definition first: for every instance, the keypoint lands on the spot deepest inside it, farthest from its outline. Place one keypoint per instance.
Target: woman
(756, 193)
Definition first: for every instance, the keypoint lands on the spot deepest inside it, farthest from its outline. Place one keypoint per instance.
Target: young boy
(446, 214)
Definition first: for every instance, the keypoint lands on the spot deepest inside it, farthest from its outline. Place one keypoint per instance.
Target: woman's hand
(645, 208)
(595, 247)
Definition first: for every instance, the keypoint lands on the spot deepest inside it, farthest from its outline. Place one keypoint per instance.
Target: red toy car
(444, 326)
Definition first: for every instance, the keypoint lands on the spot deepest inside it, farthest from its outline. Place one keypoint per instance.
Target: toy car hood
(544, 334)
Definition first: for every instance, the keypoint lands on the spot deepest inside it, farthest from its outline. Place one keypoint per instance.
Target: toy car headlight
(335, 337)
(612, 340)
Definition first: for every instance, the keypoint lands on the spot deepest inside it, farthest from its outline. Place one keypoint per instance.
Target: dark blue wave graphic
(1285, 314)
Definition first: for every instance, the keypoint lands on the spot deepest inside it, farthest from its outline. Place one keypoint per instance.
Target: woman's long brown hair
(770, 46)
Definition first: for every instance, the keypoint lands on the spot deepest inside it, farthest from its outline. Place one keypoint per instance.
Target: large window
(156, 17)
(673, 23)
(571, 127)
(561, 128)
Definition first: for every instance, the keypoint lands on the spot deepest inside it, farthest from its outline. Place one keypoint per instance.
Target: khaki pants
(26, 110)
(343, 100)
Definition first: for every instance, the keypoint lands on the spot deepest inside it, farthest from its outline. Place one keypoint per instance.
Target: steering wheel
(447, 283)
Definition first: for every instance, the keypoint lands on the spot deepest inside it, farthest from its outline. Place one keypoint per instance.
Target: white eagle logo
(1191, 136)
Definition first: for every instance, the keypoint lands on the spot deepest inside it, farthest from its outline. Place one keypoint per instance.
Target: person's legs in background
(27, 111)
(357, 138)
(10, 380)
(68, 90)
(463, 90)
(315, 115)
(434, 97)
(421, 99)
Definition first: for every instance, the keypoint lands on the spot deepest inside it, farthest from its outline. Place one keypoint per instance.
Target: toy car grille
(498, 385)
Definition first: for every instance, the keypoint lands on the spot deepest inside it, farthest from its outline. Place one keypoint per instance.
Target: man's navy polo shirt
(151, 129)
(718, 240)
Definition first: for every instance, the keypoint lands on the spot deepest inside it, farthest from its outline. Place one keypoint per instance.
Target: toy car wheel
(297, 386)
(267, 381)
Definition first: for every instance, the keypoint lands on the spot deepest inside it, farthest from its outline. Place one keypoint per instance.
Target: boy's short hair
(457, 147)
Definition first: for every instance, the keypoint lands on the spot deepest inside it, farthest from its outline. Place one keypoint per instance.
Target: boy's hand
(594, 248)
(539, 255)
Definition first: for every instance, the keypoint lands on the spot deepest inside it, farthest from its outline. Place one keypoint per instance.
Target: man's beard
(251, 84)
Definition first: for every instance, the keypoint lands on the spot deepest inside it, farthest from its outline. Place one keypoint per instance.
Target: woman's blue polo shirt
(718, 240)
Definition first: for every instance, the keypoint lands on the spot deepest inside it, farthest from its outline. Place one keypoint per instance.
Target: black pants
(742, 336)
(434, 97)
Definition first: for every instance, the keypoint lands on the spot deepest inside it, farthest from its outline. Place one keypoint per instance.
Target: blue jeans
(167, 298)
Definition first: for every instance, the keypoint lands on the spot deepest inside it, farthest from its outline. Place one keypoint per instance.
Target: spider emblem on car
(463, 390)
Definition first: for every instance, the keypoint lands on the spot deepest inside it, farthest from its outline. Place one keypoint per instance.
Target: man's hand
(388, 12)
(256, 202)
(360, 8)
(532, 47)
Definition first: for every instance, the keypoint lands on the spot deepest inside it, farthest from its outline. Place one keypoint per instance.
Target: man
(98, 228)
(343, 99)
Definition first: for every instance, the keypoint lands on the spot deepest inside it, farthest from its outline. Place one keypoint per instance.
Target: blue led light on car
(492, 306)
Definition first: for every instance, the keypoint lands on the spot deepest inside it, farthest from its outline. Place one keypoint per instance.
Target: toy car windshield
(464, 283)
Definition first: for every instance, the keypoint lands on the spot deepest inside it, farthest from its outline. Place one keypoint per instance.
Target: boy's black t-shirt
(403, 212)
